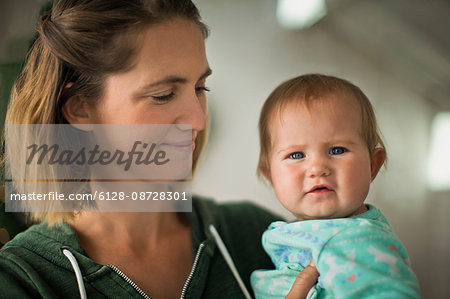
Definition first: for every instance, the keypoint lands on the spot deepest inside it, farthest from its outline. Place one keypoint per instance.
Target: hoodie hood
(35, 258)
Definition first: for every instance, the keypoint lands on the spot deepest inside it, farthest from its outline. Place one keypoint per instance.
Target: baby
(320, 150)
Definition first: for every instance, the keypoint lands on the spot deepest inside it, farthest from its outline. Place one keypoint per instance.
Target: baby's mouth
(320, 189)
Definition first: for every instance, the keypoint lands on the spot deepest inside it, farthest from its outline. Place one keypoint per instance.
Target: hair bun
(45, 20)
(47, 28)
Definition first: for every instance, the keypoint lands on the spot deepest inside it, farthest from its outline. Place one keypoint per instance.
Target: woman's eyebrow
(207, 73)
(166, 80)
(172, 79)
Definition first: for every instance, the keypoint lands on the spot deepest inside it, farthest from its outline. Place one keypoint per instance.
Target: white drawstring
(226, 255)
(311, 292)
(76, 268)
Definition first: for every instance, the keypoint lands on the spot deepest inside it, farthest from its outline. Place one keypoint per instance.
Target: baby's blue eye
(297, 155)
(337, 150)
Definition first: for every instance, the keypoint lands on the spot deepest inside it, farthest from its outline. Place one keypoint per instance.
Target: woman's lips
(186, 146)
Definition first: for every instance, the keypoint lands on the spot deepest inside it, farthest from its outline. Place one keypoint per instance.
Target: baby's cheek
(359, 190)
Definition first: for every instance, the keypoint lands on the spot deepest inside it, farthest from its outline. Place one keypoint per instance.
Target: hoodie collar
(204, 213)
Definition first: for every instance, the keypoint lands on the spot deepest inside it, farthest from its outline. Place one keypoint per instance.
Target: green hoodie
(33, 263)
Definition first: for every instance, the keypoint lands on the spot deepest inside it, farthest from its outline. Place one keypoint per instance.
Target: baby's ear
(378, 158)
(265, 172)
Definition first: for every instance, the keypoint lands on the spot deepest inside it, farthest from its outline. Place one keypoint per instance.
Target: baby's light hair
(306, 89)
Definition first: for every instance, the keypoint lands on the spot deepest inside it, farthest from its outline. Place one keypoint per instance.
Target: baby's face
(319, 165)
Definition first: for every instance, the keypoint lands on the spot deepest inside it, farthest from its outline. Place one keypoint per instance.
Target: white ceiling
(410, 38)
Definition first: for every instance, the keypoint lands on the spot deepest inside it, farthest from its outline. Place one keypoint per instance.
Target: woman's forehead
(169, 52)
(175, 45)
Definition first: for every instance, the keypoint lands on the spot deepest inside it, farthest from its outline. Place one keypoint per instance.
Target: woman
(127, 62)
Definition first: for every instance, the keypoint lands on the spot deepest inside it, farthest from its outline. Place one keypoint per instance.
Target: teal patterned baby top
(357, 257)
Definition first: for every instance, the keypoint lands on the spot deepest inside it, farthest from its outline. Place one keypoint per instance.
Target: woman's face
(166, 84)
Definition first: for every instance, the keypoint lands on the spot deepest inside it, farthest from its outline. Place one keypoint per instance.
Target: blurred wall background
(397, 51)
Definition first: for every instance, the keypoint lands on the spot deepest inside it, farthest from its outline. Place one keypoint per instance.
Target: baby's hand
(305, 280)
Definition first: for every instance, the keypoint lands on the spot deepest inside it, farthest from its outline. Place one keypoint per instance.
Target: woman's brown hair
(79, 44)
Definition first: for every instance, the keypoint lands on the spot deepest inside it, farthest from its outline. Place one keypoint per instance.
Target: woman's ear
(378, 158)
(76, 112)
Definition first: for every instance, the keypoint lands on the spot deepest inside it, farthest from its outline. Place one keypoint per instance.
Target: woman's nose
(193, 112)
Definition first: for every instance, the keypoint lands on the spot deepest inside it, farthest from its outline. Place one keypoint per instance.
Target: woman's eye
(163, 98)
(297, 155)
(337, 150)
(201, 89)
